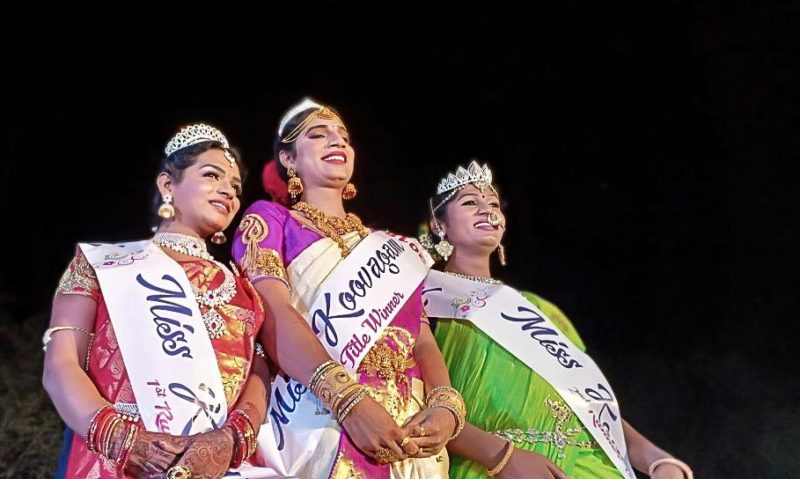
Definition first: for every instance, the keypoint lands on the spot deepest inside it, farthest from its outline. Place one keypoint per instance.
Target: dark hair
(178, 161)
(278, 145)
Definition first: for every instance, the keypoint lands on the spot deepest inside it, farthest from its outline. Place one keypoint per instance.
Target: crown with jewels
(474, 173)
(480, 176)
(194, 134)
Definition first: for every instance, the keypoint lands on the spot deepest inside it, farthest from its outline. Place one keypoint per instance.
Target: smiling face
(322, 154)
(206, 197)
(473, 220)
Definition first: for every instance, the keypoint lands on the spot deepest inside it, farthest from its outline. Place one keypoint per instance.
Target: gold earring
(295, 184)
(501, 252)
(349, 191)
(166, 210)
(218, 238)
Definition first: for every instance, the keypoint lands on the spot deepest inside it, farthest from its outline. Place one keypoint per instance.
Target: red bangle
(244, 437)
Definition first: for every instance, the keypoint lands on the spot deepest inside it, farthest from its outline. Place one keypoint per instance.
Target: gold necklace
(332, 227)
(481, 279)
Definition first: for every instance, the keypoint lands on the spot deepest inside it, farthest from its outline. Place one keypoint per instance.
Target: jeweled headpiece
(480, 176)
(194, 134)
(321, 112)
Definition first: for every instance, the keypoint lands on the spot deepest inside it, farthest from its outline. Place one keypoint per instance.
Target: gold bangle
(319, 373)
(450, 399)
(460, 420)
(687, 471)
(357, 397)
(503, 462)
(343, 394)
(333, 386)
(442, 389)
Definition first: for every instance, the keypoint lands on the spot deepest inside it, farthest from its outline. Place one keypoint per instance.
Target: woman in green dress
(524, 421)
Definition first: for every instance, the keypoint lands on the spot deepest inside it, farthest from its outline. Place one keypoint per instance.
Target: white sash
(353, 306)
(164, 343)
(521, 328)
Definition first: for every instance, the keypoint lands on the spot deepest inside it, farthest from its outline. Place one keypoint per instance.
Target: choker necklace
(210, 298)
(185, 244)
(332, 226)
(480, 279)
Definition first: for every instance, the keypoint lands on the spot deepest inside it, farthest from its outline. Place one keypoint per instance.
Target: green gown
(505, 396)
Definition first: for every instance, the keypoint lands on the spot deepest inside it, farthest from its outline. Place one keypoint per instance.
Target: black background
(647, 155)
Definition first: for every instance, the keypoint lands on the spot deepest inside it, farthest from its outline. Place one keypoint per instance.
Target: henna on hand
(209, 454)
(154, 452)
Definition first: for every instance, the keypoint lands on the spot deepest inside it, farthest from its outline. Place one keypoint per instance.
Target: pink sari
(272, 244)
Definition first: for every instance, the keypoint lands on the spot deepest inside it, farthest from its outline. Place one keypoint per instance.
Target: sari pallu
(302, 439)
(107, 370)
(524, 374)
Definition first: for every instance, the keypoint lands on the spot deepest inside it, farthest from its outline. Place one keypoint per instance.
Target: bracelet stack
(332, 385)
(450, 399)
(112, 433)
(244, 436)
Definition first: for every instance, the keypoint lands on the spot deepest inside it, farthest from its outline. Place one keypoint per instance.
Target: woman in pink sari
(308, 261)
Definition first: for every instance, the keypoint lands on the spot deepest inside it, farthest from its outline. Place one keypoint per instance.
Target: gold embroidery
(390, 364)
(267, 263)
(79, 278)
(345, 469)
(254, 230)
(386, 363)
(232, 371)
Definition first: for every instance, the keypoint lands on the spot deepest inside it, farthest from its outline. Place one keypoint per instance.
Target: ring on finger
(385, 456)
(179, 472)
(405, 441)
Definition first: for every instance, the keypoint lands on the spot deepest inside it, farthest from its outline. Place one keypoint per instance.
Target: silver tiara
(194, 134)
(474, 173)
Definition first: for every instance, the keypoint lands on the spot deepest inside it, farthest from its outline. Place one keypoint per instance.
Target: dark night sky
(647, 156)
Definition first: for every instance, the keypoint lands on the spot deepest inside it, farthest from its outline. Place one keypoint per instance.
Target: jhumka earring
(349, 191)
(444, 248)
(501, 252)
(166, 210)
(295, 184)
(218, 238)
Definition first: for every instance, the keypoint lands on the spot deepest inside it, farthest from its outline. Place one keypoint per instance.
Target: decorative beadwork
(481, 279)
(185, 244)
(560, 437)
(210, 298)
(79, 278)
